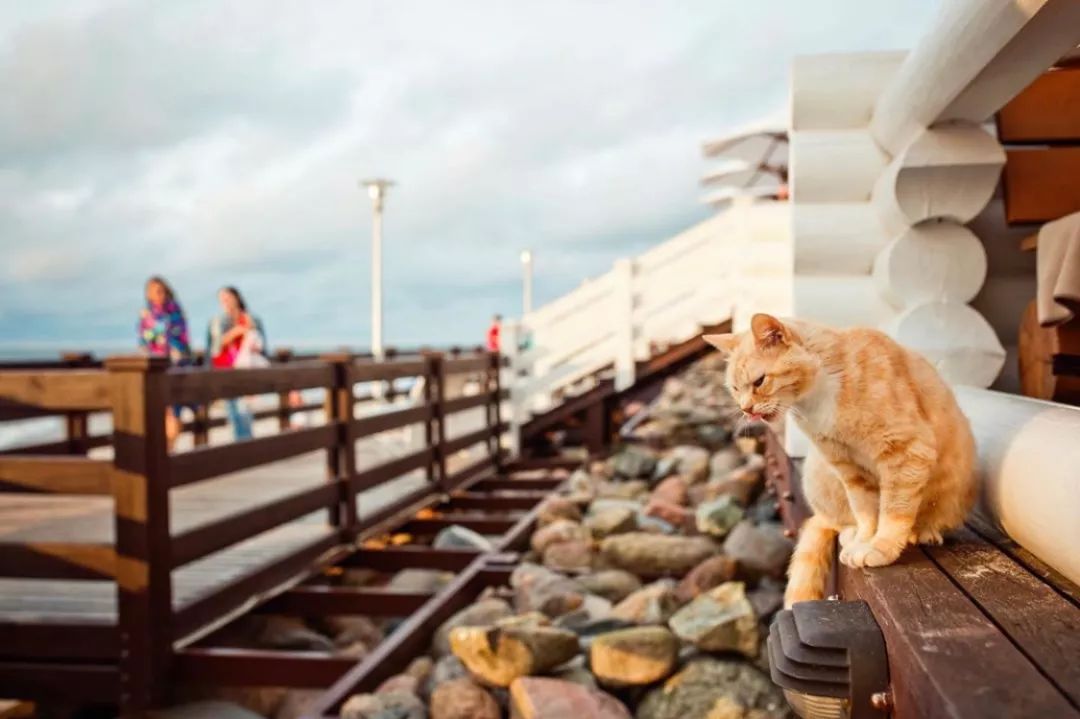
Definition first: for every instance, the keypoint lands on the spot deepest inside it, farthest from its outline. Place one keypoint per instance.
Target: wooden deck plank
(1043, 625)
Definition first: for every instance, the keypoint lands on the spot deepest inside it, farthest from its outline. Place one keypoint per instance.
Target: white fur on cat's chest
(815, 412)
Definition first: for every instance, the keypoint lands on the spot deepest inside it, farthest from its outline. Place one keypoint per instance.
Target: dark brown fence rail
(142, 476)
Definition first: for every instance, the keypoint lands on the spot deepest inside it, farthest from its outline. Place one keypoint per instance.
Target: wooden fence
(142, 474)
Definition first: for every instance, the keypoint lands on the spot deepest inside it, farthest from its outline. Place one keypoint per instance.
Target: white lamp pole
(376, 191)
(527, 281)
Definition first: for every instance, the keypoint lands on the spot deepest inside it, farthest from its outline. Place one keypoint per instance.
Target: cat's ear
(724, 343)
(768, 331)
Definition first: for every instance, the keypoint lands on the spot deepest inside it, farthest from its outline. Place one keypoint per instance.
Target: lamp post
(527, 281)
(376, 191)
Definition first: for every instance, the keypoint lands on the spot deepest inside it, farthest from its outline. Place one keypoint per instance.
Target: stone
(718, 516)
(616, 520)
(399, 683)
(721, 619)
(709, 684)
(674, 514)
(592, 609)
(713, 572)
(391, 705)
(712, 435)
(421, 668)
(652, 604)
(347, 630)
(672, 490)
(463, 699)
(723, 461)
(457, 537)
(631, 489)
(647, 554)
(633, 657)
(633, 463)
(691, 461)
(277, 632)
(423, 581)
(741, 490)
(586, 630)
(446, 669)
(205, 710)
(575, 672)
(766, 598)
(561, 530)
(548, 698)
(654, 525)
(760, 550)
(665, 467)
(602, 505)
(357, 649)
(537, 588)
(747, 445)
(611, 584)
(573, 556)
(486, 611)
(763, 510)
(298, 704)
(557, 507)
(498, 655)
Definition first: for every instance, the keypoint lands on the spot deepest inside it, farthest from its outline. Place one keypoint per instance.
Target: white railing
(608, 324)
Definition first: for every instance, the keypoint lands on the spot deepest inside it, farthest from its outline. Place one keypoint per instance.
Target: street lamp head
(526, 257)
(376, 188)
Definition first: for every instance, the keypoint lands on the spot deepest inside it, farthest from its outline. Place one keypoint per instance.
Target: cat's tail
(809, 568)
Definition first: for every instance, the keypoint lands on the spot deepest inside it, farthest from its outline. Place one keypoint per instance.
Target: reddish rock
(713, 572)
(572, 556)
(463, 699)
(674, 514)
(561, 530)
(544, 698)
(555, 508)
(652, 604)
(673, 490)
(399, 683)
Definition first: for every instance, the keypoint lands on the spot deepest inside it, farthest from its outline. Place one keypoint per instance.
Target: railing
(142, 475)
(612, 322)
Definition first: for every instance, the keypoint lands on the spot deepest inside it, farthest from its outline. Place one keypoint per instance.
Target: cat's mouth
(765, 417)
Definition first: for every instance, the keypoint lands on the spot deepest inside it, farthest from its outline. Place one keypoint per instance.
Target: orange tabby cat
(893, 455)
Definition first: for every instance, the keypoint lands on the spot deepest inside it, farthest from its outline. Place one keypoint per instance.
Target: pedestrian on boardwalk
(235, 340)
(494, 334)
(163, 332)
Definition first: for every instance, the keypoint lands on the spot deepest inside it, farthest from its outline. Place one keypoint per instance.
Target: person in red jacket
(493, 334)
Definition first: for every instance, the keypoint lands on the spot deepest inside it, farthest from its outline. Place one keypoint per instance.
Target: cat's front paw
(874, 553)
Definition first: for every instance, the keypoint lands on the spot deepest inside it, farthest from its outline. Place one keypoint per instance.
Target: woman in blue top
(163, 333)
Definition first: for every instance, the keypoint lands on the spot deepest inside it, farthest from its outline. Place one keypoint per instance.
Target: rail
(143, 474)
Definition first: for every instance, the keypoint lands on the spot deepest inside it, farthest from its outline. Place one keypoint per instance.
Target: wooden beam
(516, 485)
(373, 371)
(1040, 184)
(73, 682)
(485, 464)
(57, 389)
(390, 420)
(467, 440)
(476, 521)
(493, 502)
(57, 560)
(57, 641)
(393, 469)
(206, 462)
(393, 559)
(316, 600)
(55, 475)
(195, 385)
(220, 666)
(1047, 110)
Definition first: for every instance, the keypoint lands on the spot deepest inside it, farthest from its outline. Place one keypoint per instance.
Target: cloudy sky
(221, 143)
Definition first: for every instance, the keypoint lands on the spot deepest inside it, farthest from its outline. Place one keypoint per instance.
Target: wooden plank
(193, 385)
(460, 404)
(393, 559)
(1040, 184)
(1047, 110)
(475, 521)
(313, 601)
(86, 389)
(220, 666)
(56, 475)
(57, 560)
(397, 510)
(227, 531)
(1041, 623)
(58, 447)
(393, 469)
(467, 440)
(1050, 576)
(14, 412)
(73, 682)
(59, 641)
(206, 462)
(407, 641)
(516, 485)
(474, 469)
(371, 371)
(946, 659)
(390, 420)
(283, 572)
(493, 502)
(467, 364)
(526, 464)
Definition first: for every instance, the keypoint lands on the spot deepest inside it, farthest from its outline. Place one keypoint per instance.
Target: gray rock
(390, 705)
(537, 588)
(730, 688)
(458, 537)
(611, 584)
(718, 516)
(760, 550)
(652, 604)
(634, 463)
(486, 611)
(647, 554)
(724, 461)
(426, 581)
(691, 462)
(205, 710)
(719, 620)
(561, 530)
(446, 669)
(616, 520)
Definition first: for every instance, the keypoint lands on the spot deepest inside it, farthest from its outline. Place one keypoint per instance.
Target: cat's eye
(758, 382)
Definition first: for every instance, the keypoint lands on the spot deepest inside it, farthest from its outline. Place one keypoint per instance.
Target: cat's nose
(747, 408)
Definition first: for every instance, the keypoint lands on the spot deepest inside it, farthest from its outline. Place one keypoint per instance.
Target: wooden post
(200, 424)
(77, 422)
(341, 458)
(511, 348)
(493, 386)
(436, 429)
(596, 427)
(623, 320)
(282, 356)
(143, 550)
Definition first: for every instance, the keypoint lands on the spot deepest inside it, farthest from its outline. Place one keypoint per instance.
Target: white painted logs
(841, 301)
(834, 165)
(931, 262)
(838, 91)
(977, 55)
(837, 237)
(949, 172)
(956, 339)
(1028, 456)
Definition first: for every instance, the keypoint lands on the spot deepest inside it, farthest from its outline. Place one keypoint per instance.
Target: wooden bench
(978, 628)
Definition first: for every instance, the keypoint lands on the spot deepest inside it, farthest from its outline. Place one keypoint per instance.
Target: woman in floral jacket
(163, 333)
